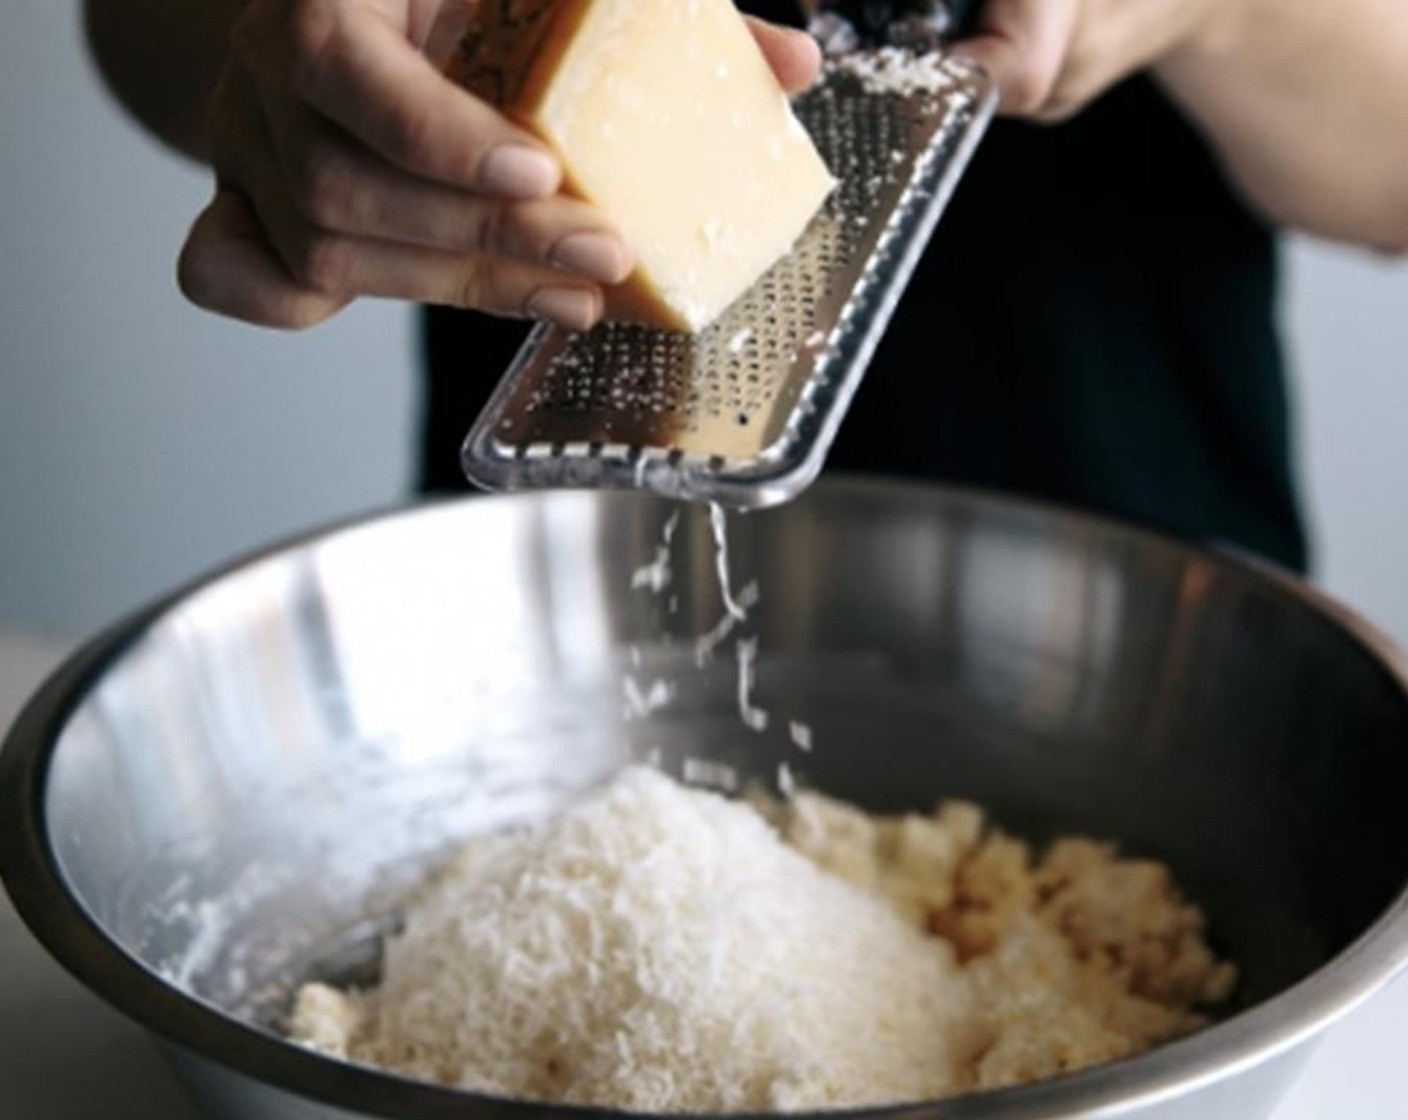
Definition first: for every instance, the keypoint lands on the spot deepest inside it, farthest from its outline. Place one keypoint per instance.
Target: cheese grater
(743, 413)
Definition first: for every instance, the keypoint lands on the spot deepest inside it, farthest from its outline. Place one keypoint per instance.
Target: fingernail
(597, 256)
(518, 171)
(576, 309)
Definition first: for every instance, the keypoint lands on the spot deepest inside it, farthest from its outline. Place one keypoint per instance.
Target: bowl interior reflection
(245, 795)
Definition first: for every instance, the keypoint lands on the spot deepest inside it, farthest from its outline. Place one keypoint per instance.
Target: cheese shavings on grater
(743, 413)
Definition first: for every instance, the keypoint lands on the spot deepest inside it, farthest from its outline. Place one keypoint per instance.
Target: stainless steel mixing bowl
(226, 792)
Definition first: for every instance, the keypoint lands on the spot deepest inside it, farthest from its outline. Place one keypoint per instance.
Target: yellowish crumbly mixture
(1075, 957)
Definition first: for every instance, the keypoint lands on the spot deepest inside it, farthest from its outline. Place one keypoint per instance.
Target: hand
(1051, 58)
(347, 165)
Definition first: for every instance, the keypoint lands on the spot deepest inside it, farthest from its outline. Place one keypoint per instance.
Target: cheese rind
(666, 117)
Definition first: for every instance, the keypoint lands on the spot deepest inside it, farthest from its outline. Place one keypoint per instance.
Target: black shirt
(1093, 324)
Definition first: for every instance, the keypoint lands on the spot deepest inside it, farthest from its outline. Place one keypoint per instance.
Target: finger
(340, 266)
(340, 186)
(795, 57)
(1023, 45)
(495, 285)
(355, 66)
(228, 267)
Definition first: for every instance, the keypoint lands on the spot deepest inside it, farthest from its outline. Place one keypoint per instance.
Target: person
(1094, 323)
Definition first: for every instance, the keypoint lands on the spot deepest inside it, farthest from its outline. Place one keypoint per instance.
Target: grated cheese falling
(754, 717)
(707, 644)
(802, 737)
(641, 703)
(658, 574)
(719, 523)
(654, 948)
(706, 773)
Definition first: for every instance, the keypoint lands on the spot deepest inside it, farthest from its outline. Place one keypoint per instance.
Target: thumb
(795, 57)
(1022, 44)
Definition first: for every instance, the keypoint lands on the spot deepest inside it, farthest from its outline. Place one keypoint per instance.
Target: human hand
(1051, 58)
(348, 165)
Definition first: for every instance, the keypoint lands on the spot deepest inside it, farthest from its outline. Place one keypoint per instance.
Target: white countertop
(62, 1050)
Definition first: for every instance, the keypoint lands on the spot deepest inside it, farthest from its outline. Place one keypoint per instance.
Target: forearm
(1307, 104)
(161, 58)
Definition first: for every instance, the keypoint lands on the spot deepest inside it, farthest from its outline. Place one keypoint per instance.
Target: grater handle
(921, 24)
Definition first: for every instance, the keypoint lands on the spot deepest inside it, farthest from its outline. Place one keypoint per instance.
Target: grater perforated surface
(744, 412)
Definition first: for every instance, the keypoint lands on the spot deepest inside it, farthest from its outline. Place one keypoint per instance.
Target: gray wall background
(142, 441)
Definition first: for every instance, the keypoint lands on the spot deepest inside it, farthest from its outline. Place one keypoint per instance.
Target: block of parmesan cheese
(666, 117)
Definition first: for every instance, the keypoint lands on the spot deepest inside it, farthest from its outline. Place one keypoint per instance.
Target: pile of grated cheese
(655, 948)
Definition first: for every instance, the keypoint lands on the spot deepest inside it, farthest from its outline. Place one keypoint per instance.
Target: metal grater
(743, 413)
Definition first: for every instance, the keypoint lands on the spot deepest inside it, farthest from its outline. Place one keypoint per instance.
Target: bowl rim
(61, 922)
